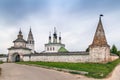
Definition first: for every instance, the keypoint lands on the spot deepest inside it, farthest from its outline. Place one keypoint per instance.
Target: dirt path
(12, 71)
(116, 74)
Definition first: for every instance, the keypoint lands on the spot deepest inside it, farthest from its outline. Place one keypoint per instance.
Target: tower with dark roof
(20, 42)
(30, 41)
(99, 49)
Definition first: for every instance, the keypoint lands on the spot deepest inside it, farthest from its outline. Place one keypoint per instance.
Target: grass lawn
(95, 70)
(0, 68)
(1, 62)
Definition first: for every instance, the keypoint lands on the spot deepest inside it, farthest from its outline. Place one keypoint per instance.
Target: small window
(53, 48)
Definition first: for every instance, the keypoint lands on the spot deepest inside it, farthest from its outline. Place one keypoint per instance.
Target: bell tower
(30, 41)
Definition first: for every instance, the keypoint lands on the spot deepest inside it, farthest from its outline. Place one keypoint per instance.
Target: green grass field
(95, 70)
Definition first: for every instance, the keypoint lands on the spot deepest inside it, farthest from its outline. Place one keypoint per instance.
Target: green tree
(114, 49)
(118, 53)
(87, 50)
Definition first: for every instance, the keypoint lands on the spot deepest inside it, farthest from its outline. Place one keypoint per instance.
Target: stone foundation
(100, 54)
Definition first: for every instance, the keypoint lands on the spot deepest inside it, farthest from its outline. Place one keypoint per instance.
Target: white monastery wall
(58, 58)
(3, 59)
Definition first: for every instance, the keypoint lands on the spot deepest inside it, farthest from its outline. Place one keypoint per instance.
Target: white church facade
(99, 50)
(54, 44)
(21, 47)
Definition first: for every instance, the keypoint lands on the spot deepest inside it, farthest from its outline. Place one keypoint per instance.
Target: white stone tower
(30, 41)
(99, 49)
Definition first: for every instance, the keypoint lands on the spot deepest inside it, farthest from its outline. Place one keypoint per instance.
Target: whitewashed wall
(59, 58)
(3, 59)
(67, 58)
(114, 58)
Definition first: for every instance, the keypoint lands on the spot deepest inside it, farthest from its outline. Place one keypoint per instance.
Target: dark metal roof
(20, 40)
(18, 48)
(58, 54)
(30, 36)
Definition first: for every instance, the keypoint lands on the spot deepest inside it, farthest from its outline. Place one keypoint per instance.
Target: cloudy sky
(75, 19)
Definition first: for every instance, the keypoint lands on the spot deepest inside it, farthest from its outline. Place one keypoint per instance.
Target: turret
(20, 36)
(30, 41)
(20, 42)
(50, 37)
(60, 37)
(99, 50)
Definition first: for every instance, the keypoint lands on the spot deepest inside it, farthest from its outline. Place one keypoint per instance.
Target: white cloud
(77, 28)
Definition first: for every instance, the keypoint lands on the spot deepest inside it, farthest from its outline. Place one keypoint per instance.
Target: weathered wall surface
(21, 52)
(114, 57)
(100, 54)
(61, 58)
(65, 57)
(96, 55)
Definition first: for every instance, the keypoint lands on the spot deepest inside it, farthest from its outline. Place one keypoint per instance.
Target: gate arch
(15, 57)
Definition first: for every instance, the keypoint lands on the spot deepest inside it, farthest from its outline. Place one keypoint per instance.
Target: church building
(21, 47)
(54, 44)
(30, 41)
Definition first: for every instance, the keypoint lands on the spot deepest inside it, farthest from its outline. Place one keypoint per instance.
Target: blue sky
(75, 19)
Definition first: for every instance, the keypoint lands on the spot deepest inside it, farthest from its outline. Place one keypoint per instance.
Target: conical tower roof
(20, 37)
(30, 36)
(99, 38)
